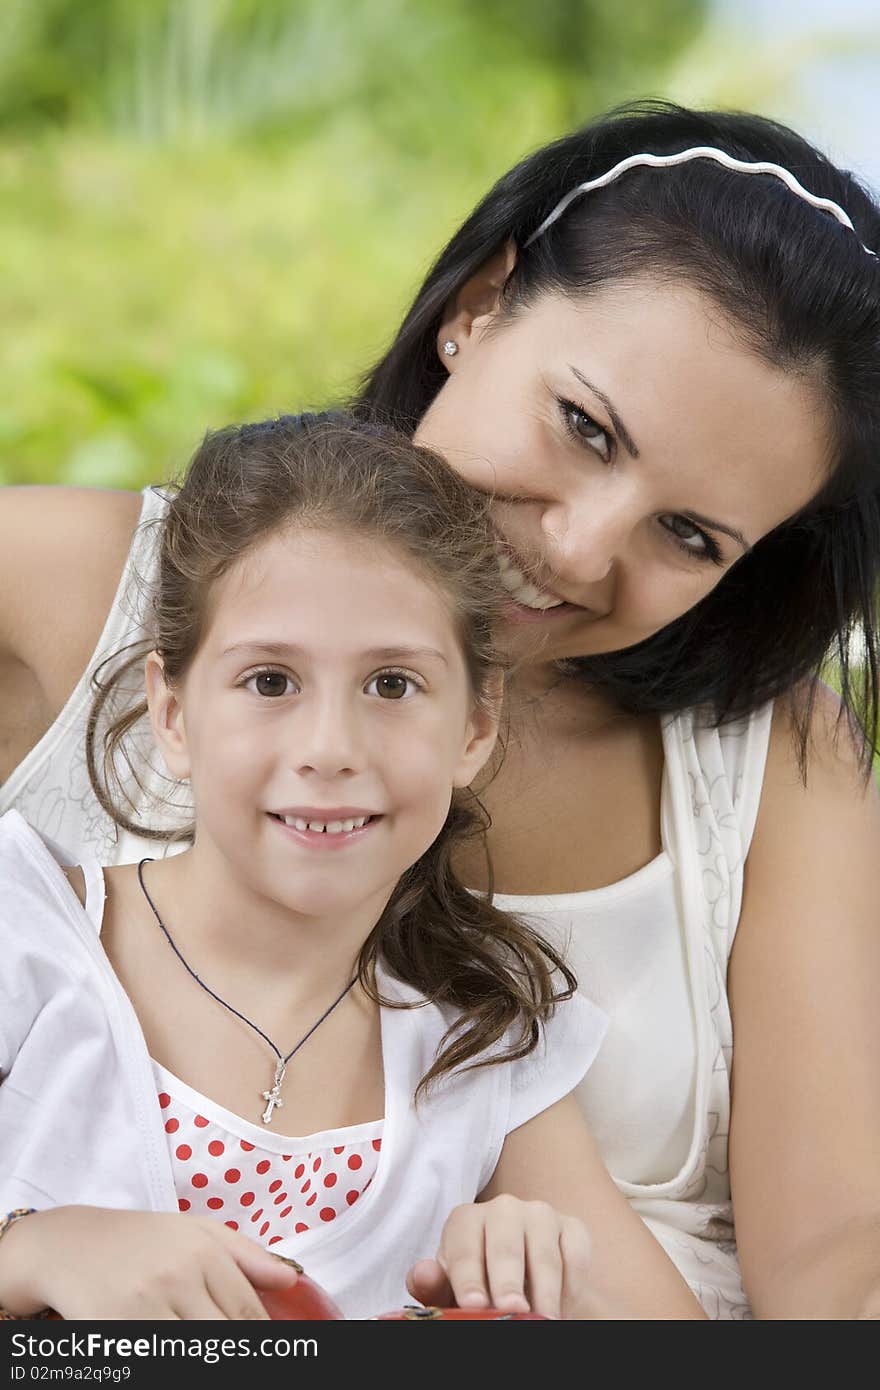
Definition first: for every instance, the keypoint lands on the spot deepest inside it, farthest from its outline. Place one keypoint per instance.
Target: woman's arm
(803, 982)
(62, 551)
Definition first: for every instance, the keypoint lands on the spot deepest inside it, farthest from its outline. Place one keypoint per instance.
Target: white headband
(660, 161)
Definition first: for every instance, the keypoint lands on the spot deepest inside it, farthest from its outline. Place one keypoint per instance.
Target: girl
(662, 366)
(323, 678)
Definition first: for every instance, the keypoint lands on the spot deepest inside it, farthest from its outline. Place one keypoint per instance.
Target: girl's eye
(692, 540)
(269, 684)
(392, 685)
(585, 429)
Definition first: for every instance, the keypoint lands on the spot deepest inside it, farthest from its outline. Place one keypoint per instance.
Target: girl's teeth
(333, 827)
(521, 590)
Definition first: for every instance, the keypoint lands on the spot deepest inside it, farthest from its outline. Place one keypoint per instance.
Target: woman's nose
(587, 537)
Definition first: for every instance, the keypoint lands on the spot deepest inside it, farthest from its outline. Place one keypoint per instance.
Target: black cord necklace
(273, 1096)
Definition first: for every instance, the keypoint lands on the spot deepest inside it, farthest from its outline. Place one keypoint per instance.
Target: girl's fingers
(462, 1255)
(505, 1247)
(232, 1295)
(427, 1282)
(261, 1269)
(544, 1260)
(142, 1310)
(509, 1254)
(199, 1306)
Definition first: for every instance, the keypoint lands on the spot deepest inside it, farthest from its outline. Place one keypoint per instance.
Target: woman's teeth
(333, 827)
(520, 588)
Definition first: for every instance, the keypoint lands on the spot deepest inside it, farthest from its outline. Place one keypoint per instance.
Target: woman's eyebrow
(620, 427)
(719, 526)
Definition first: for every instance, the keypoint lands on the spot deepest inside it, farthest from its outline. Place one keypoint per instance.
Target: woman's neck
(558, 702)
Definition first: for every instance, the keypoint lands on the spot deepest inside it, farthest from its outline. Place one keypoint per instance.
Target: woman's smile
(531, 602)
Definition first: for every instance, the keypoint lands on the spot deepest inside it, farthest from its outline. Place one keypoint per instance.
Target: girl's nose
(326, 739)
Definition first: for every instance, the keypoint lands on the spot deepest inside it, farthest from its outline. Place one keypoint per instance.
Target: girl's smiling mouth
(325, 829)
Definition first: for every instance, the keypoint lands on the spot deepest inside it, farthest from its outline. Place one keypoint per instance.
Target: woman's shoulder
(62, 551)
(48, 535)
(66, 556)
(818, 828)
(832, 763)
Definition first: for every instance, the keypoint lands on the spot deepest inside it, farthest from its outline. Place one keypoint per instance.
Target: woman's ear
(474, 303)
(166, 718)
(481, 734)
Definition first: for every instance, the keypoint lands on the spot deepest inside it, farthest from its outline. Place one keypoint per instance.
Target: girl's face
(324, 722)
(635, 451)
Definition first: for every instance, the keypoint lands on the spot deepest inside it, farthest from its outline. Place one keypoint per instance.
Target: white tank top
(625, 945)
(651, 950)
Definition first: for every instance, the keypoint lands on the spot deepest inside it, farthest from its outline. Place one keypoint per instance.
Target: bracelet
(6, 1222)
(11, 1217)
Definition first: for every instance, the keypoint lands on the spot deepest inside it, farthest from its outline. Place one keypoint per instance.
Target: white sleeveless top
(651, 950)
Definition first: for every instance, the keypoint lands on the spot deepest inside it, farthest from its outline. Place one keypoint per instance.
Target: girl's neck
(212, 916)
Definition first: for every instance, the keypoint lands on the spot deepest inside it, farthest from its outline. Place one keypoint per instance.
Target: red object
(305, 1302)
(419, 1314)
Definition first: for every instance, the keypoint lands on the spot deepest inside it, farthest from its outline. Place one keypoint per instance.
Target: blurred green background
(219, 209)
(216, 210)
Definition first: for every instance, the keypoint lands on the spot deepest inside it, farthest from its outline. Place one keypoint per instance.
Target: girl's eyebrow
(620, 427)
(286, 649)
(403, 654)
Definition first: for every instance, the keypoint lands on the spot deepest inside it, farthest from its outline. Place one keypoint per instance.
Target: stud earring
(450, 348)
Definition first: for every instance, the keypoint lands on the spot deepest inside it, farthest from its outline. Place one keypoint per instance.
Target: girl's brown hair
(248, 483)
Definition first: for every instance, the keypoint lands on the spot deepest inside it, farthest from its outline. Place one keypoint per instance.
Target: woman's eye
(269, 683)
(690, 538)
(584, 428)
(392, 685)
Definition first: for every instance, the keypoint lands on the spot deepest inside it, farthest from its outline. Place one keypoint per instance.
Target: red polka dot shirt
(270, 1186)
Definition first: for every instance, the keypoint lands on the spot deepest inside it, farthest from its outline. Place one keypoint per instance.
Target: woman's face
(635, 450)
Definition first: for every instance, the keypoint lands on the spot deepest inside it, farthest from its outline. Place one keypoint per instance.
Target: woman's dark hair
(246, 484)
(801, 291)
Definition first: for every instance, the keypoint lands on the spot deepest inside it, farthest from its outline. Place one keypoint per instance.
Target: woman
(671, 392)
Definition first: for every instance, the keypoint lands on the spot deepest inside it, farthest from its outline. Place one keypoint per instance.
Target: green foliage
(218, 209)
(201, 70)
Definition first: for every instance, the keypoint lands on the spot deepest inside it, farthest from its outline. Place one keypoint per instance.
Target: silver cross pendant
(274, 1096)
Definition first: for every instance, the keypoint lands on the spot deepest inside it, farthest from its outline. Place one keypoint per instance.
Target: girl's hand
(92, 1263)
(508, 1254)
